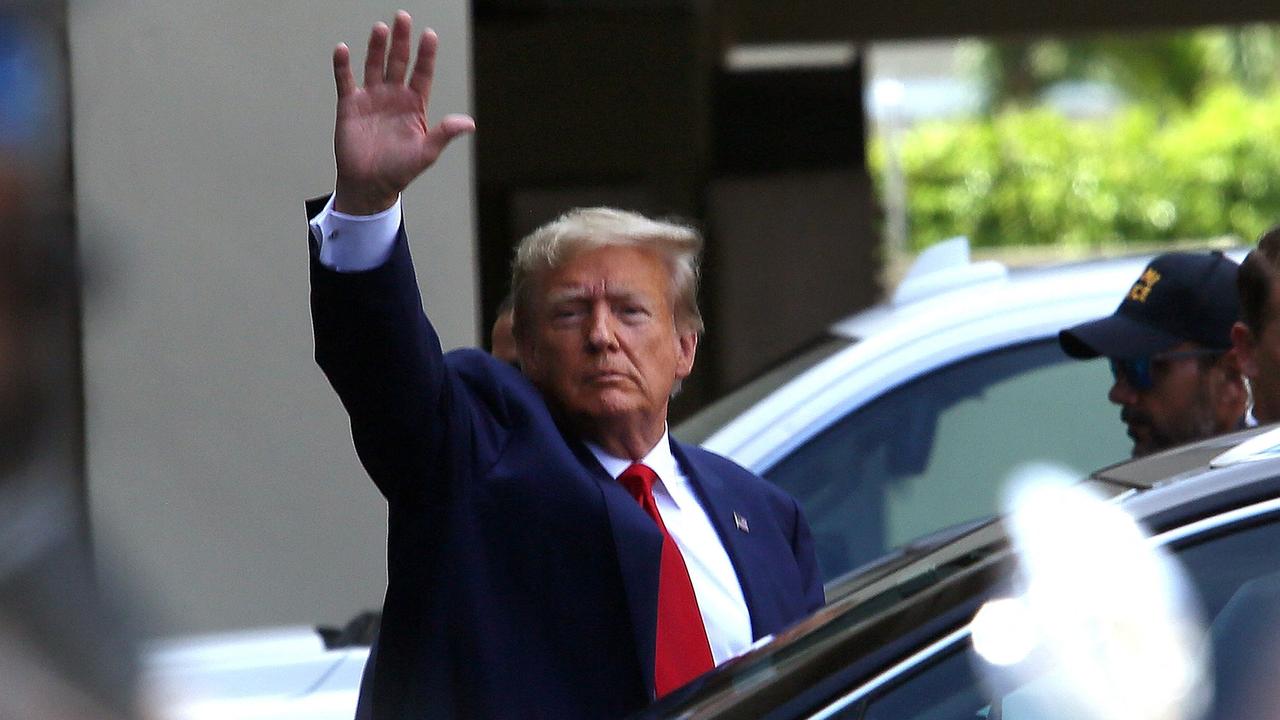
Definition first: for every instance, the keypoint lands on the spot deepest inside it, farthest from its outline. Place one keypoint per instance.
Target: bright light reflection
(1003, 631)
(316, 706)
(1108, 617)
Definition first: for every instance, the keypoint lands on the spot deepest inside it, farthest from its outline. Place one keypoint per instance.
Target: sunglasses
(1137, 371)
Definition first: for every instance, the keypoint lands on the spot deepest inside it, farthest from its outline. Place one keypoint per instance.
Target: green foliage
(1033, 177)
(1170, 69)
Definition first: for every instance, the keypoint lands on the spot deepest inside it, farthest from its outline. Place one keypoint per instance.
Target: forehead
(609, 268)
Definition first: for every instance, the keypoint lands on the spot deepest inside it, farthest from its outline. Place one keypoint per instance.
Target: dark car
(894, 641)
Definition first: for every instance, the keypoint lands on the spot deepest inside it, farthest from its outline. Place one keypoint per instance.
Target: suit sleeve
(383, 357)
(807, 560)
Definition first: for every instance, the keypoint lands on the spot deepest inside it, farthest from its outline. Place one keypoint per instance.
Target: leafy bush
(1033, 177)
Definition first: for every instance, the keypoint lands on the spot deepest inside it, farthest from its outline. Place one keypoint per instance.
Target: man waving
(552, 551)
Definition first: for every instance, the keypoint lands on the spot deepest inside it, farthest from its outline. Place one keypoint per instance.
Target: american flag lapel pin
(741, 522)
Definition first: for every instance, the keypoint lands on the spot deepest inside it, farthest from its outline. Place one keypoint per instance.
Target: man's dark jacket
(522, 580)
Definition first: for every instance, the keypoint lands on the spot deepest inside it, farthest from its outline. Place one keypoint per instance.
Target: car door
(1233, 561)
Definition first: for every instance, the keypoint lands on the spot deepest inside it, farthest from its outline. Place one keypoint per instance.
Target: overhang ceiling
(751, 21)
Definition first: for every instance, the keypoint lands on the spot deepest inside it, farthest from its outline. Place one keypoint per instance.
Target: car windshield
(706, 422)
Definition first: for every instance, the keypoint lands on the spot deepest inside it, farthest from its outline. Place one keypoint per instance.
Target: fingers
(383, 67)
(424, 68)
(342, 77)
(375, 57)
(398, 62)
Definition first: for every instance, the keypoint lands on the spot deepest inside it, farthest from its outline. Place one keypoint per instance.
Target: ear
(530, 360)
(686, 349)
(1230, 393)
(1244, 348)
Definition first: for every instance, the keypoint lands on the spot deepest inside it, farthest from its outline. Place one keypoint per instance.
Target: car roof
(953, 310)
(915, 596)
(944, 279)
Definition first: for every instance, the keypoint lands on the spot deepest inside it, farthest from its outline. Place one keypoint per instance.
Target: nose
(600, 333)
(1122, 393)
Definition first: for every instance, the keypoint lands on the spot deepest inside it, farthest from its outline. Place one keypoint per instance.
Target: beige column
(220, 466)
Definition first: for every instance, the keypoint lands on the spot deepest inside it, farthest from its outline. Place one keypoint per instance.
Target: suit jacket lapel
(639, 550)
(719, 503)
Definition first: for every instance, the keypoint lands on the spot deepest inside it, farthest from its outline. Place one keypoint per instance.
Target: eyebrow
(577, 294)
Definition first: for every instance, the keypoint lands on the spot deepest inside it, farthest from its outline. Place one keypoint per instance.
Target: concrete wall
(219, 461)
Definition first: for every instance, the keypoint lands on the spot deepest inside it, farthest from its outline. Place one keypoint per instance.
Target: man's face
(1177, 408)
(1259, 354)
(602, 343)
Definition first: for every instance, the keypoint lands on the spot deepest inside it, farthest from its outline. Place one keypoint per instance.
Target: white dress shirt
(354, 243)
(715, 582)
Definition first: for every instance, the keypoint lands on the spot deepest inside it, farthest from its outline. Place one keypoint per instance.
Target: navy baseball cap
(1179, 297)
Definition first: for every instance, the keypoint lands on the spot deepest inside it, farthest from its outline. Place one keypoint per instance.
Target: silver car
(907, 416)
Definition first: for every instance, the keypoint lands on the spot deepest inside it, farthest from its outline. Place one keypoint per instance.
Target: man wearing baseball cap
(1169, 344)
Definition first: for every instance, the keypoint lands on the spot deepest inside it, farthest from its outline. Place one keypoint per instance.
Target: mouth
(604, 377)
(1140, 433)
(1134, 418)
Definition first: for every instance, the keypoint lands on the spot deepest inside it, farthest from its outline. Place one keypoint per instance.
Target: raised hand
(381, 138)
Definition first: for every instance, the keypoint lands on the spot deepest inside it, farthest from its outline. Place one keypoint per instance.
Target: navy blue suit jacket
(522, 580)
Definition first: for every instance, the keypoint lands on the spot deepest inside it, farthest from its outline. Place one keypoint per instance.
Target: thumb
(457, 124)
(442, 134)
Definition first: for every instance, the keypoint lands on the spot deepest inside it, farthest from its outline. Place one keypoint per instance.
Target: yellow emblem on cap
(1142, 288)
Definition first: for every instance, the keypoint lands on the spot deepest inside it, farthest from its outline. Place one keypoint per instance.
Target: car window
(718, 414)
(1236, 573)
(934, 452)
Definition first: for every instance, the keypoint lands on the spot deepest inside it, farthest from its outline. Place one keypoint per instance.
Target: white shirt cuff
(355, 243)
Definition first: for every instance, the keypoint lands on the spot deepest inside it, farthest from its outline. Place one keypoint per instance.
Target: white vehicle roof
(267, 674)
(946, 309)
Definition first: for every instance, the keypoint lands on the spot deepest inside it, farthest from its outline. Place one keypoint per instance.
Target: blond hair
(580, 229)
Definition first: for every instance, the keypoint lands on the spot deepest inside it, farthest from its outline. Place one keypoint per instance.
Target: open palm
(382, 139)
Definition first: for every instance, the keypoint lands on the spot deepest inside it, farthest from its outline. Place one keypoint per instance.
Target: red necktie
(681, 652)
